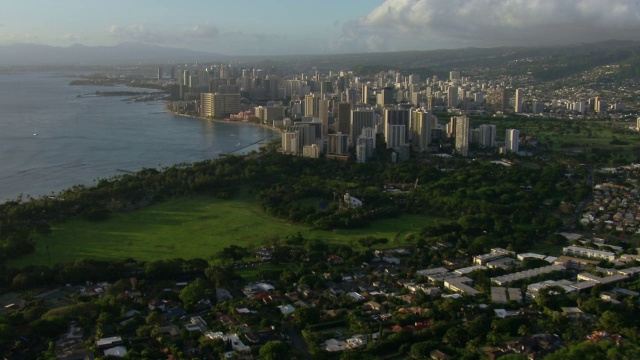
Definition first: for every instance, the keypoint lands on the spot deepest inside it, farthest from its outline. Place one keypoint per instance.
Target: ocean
(52, 139)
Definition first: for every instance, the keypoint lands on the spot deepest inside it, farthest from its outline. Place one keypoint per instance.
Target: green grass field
(188, 228)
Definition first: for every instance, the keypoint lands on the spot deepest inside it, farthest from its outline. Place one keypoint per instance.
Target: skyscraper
(360, 119)
(519, 101)
(421, 127)
(452, 96)
(323, 114)
(395, 135)
(365, 94)
(396, 117)
(185, 77)
(365, 145)
(385, 97)
(537, 107)
(337, 144)
(219, 105)
(462, 135)
(496, 99)
(487, 136)
(344, 118)
(311, 105)
(512, 140)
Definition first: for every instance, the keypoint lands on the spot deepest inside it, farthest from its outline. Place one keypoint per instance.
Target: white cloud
(159, 35)
(420, 24)
(21, 38)
(137, 32)
(69, 37)
(203, 31)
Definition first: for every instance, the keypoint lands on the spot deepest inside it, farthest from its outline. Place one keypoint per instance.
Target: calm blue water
(83, 139)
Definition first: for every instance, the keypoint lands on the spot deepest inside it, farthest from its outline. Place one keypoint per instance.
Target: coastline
(237, 122)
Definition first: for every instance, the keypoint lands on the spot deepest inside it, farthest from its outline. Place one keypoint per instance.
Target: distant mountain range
(547, 63)
(77, 54)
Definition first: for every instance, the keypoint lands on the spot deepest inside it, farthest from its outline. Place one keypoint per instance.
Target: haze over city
(354, 179)
(253, 27)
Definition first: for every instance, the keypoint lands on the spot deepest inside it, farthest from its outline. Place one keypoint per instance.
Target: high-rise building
(512, 140)
(344, 118)
(353, 96)
(308, 134)
(421, 127)
(290, 142)
(338, 144)
(185, 77)
(271, 86)
(268, 114)
(519, 101)
(326, 87)
(496, 99)
(396, 136)
(365, 145)
(160, 73)
(193, 82)
(360, 119)
(452, 96)
(311, 105)
(396, 117)
(219, 105)
(365, 94)
(414, 79)
(487, 136)
(385, 97)
(416, 99)
(451, 127)
(454, 75)
(600, 106)
(323, 115)
(462, 135)
(537, 107)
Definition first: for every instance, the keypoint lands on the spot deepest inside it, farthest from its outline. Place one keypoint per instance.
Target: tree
(514, 357)
(307, 316)
(199, 289)
(274, 350)
(233, 252)
(549, 297)
(50, 327)
(154, 318)
(420, 350)
(222, 276)
(7, 333)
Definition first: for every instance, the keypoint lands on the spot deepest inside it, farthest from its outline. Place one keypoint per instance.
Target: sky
(272, 27)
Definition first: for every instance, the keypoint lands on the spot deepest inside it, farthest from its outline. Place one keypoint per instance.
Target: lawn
(196, 227)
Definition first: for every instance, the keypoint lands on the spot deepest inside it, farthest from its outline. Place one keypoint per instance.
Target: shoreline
(237, 122)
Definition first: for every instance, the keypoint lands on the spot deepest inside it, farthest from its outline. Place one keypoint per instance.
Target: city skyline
(253, 27)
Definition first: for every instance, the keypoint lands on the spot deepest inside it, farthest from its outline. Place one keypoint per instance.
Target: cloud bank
(422, 24)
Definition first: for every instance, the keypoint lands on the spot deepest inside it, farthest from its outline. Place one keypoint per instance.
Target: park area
(195, 227)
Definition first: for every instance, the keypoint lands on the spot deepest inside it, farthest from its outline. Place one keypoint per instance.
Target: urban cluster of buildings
(338, 114)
